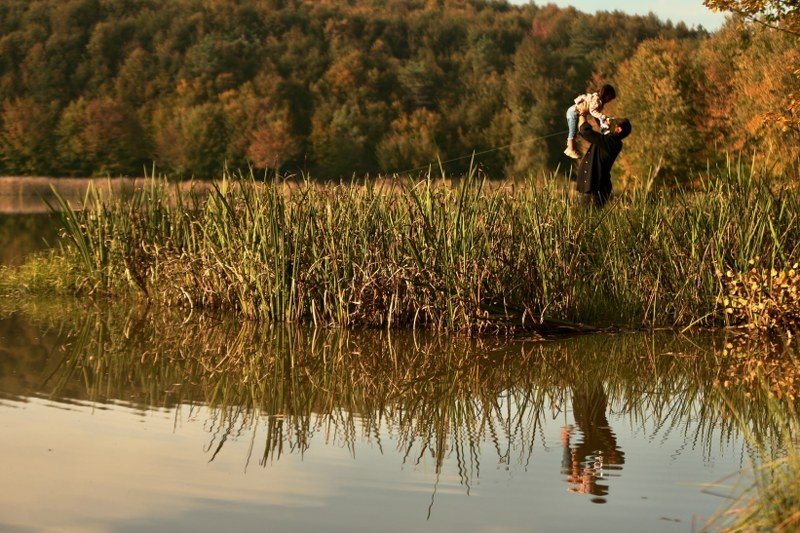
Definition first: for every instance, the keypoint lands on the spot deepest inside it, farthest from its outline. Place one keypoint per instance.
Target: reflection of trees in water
(448, 399)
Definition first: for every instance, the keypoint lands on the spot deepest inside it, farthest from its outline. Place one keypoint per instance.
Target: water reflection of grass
(435, 393)
(441, 399)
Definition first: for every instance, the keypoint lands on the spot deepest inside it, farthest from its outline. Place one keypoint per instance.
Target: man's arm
(590, 135)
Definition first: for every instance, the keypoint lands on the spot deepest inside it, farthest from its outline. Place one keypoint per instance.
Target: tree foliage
(365, 86)
(783, 16)
(658, 94)
(783, 13)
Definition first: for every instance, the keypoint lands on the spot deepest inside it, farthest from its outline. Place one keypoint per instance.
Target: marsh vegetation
(457, 255)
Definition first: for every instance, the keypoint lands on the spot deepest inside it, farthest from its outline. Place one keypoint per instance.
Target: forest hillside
(335, 88)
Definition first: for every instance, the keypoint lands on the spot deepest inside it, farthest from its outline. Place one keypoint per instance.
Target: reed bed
(435, 254)
(777, 506)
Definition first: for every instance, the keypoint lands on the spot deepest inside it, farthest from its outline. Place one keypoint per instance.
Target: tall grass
(464, 255)
(771, 501)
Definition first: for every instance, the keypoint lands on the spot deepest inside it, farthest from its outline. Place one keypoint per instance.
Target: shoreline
(25, 195)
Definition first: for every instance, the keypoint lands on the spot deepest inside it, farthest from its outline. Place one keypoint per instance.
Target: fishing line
(475, 154)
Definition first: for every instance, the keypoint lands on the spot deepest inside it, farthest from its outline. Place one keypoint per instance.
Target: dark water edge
(27, 222)
(176, 421)
(24, 234)
(35, 195)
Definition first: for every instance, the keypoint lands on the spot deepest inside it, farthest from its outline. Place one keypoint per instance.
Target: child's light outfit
(585, 104)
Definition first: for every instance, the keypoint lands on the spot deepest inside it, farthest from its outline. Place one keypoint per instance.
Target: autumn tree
(333, 87)
(101, 136)
(479, 121)
(656, 89)
(779, 14)
(192, 140)
(411, 142)
(137, 66)
(532, 103)
(748, 72)
(342, 139)
(27, 142)
(783, 16)
(349, 117)
(272, 144)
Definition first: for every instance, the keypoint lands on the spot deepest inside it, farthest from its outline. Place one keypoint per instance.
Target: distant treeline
(337, 88)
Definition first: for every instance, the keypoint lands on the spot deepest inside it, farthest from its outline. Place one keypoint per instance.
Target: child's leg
(572, 125)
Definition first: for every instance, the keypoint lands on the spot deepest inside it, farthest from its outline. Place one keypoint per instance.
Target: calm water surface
(124, 419)
(121, 420)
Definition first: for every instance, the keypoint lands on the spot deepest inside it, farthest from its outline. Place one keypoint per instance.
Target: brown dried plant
(763, 304)
(764, 299)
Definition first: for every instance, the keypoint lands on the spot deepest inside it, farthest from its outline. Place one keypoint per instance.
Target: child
(587, 104)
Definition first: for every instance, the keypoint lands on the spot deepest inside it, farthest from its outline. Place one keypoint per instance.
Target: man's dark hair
(607, 93)
(625, 124)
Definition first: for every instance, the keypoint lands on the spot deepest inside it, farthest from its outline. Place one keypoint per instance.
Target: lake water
(119, 418)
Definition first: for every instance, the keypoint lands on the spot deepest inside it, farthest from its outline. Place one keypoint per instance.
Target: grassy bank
(771, 500)
(433, 254)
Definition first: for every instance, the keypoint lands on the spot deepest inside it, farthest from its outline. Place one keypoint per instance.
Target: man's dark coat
(594, 170)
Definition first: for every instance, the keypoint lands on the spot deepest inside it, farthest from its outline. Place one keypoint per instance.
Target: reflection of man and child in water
(588, 463)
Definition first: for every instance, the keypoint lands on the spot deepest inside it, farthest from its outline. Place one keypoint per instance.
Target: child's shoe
(570, 152)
